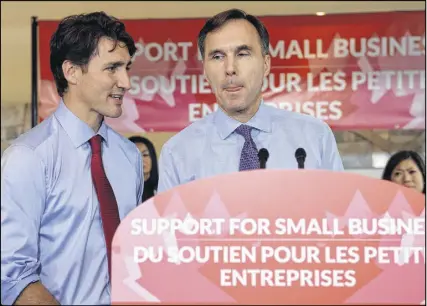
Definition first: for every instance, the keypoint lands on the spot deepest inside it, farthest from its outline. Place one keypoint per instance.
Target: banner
(354, 71)
(281, 237)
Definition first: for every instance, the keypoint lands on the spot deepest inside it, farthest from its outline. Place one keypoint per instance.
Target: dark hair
(150, 186)
(396, 158)
(222, 18)
(76, 39)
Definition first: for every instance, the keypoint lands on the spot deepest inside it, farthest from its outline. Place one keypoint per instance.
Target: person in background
(406, 168)
(149, 158)
(235, 50)
(67, 183)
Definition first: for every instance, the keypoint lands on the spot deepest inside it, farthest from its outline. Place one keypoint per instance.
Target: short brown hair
(76, 39)
(222, 18)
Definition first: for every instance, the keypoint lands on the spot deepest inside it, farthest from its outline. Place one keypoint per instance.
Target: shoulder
(124, 144)
(24, 159)
(192, 135)
(299, 123)
(37, 136)
(37, 144)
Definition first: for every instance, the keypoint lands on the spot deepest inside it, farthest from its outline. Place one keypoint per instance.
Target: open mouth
(118, 98)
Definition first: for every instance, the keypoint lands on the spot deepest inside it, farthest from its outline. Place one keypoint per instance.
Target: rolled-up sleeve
(23, 194)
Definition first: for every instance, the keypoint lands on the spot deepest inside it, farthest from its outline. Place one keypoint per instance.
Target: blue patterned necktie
(249, 157)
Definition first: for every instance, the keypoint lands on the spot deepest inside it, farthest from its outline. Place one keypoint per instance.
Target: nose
(407, 178)
(123, 80)
(230, 66)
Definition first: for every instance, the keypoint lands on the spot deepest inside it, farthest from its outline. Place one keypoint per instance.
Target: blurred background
(363, 150)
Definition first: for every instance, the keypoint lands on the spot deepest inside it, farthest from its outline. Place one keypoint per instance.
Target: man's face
(235, 66)
(102, 86)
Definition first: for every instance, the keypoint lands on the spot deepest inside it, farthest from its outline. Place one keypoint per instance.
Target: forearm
(35, 294)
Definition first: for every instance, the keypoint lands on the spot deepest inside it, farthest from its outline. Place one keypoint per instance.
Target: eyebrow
(243, 48)
(403, 169)
(118, 64)
(236, 50)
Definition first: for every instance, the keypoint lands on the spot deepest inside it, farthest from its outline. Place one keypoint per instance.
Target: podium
(274, 237)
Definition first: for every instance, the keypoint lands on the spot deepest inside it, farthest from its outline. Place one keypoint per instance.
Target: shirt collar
(226, 125)
(78, 131)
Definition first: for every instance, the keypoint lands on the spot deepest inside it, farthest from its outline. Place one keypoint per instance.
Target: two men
(67, 183)
(235, 51)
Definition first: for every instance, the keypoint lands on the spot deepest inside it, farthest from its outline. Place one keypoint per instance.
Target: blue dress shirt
(210, 146)
(51, 228)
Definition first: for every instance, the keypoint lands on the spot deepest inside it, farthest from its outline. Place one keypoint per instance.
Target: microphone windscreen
(263, 154)
(300, 152)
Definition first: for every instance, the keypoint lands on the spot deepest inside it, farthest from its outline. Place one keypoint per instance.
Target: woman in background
(149, 159)
(406, 168)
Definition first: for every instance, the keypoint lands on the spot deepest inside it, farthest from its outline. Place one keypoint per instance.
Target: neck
(83, 112)
(146, 176)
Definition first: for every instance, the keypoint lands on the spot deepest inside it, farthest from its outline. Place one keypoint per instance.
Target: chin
(234, 105)
(114, 112)
(236, 108)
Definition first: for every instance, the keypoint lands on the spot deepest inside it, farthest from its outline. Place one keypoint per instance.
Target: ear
(72, 72)
(267, 65)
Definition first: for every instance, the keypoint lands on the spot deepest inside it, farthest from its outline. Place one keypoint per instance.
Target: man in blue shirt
(68, 182)
(235, 51)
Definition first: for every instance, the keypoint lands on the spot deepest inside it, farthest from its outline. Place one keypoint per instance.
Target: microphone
(263, 156)
(300, 155)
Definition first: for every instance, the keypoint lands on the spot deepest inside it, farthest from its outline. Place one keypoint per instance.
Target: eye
(243, 54)
(217, 57)
(112, 68)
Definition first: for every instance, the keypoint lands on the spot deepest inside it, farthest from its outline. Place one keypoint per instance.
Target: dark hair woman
(406, 168)
(151, 172)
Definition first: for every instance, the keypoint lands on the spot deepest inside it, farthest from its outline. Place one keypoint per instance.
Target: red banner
(354, 71)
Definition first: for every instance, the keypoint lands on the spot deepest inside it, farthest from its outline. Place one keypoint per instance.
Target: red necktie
(104, 191)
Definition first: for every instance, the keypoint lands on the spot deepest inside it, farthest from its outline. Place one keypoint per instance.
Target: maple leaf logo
(156, 78)
(146, 281)
(405, 106)
(159, 86)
